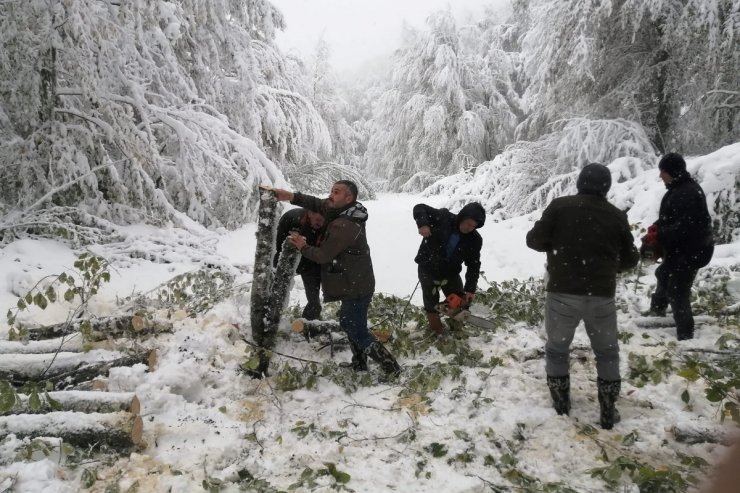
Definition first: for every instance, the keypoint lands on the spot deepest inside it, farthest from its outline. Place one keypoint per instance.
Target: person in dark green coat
(587, 241)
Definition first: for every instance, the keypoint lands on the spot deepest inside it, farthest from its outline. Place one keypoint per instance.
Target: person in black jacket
(684, 230)
(449, 241)
(310, 225)
(587, 241)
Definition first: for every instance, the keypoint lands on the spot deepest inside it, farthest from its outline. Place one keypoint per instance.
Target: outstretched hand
(282, 195)
(425, 231)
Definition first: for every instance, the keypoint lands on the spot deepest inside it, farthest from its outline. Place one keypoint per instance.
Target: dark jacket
(297, 220)
(587, 241)
(432, 255)
(344, 255)
(684, 225)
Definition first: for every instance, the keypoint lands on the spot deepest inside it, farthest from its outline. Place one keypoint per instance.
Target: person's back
(587, 241)
(585, 238)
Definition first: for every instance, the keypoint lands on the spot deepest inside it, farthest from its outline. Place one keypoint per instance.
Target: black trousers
(312, 284)
(430, 288)
(674, 287)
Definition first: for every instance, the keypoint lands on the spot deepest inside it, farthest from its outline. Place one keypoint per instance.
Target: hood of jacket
(473, 211)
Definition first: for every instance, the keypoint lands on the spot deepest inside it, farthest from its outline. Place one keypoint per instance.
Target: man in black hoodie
(449, 241)
(587, 241)
(685, 234)
(310, 225)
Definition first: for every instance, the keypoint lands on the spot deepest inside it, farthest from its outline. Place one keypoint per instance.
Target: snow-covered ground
(206, 421)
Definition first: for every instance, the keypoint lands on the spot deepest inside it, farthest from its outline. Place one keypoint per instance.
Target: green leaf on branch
(340, 476)
(7, 396)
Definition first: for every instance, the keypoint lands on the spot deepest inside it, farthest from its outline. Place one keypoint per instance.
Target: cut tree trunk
(67, 369)
(70, 343)
(81, 401)
(284, 274)
(263, 275)
(692, 435)
(102, 328)
(312, 328)
(119, 430)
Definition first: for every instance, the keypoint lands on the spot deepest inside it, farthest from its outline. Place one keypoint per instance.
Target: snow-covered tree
(669, 65)
(448, 107)
(141, 111)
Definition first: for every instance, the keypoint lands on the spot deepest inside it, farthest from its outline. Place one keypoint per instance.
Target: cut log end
(298, 325)
(152, 360)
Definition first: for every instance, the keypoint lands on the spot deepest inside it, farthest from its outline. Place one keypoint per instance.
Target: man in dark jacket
(346, 268)
(310, 225)
(587, 241)
(449, 241)
(684, 232)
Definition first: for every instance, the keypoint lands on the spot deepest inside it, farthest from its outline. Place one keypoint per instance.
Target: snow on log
(81, 401)
(263, 275)
(692, 434)
(284, 274)
(120, 430)
(69, 343)
(312, 328)
(65, 369)
(262, 278)
(102, 328)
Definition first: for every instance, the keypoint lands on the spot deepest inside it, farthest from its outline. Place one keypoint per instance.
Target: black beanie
(673, 164)
(595, 179)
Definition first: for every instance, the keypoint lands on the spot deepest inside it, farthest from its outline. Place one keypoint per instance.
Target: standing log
(66, 369)
(262, 275)
(81, 401)
(283, 280)
(102, 328)
(119, 430)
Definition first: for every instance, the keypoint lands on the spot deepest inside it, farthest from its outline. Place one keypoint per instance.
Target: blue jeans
(353, 320)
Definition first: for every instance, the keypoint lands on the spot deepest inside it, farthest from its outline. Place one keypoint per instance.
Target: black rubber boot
(384, 358)
(359, 358)
(608, 395)
(560, 393)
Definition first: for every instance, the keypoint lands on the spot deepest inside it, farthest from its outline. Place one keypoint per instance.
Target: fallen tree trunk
(692, 435)
(66, 369)
(312, 328)
(119, 430)
(70, 343)
(80, 401)
(102, 328)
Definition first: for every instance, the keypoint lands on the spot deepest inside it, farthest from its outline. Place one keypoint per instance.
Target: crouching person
(346, 268)
(587, 241)
(449, 240)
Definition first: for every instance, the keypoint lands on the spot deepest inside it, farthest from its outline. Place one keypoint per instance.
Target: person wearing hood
(587, 241)
(684, 232)
(449, 240)
(346, 267)
(310, 225)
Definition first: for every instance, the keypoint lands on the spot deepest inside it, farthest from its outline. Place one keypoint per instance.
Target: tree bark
(262, 277)
(73, 343)
(81, 401)
(312, 328)
(102, 328)
(696, 434)
(67, 369)
(120, 430)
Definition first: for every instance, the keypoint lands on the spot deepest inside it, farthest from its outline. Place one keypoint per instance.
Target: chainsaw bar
(463, 315)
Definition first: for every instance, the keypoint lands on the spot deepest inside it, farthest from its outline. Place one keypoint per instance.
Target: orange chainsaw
(454, 307)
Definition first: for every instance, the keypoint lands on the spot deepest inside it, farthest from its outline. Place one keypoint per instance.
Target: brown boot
(435, 324)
